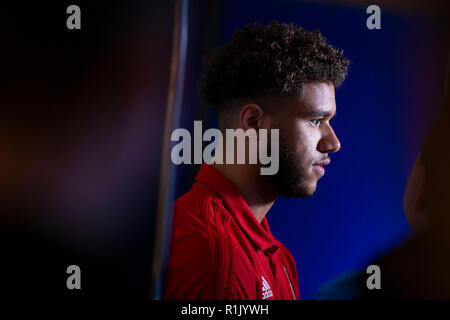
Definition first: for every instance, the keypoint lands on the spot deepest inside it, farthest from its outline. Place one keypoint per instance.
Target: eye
(315, 122)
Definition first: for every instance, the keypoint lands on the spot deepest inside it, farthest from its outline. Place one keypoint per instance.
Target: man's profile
(278, 76)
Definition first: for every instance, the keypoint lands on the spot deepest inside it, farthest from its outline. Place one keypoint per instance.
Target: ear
(251, 116)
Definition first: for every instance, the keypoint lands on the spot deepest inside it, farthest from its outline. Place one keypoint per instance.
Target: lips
(319, 169)
(319, 166)
(323, 162)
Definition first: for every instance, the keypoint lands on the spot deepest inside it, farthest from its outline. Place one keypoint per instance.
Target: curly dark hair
(273, 60)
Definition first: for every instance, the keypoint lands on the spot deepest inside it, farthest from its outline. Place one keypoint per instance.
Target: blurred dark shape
(420, 268)
(81, 131)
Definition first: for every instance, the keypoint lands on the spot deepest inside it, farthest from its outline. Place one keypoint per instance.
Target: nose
(329, 141)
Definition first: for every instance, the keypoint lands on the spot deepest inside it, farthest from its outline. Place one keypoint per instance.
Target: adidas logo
(266, 291)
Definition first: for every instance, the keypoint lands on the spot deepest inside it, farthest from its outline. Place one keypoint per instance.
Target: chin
(299, 192)
(310, 189)
(311, 192)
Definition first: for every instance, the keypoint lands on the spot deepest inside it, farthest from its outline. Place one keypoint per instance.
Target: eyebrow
(320, 114)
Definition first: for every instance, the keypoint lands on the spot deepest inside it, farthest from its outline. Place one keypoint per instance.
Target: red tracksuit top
(219, 250)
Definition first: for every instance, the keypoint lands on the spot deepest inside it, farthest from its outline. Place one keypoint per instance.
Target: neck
(254, 187)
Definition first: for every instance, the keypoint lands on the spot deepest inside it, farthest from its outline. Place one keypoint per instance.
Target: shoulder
(286, 253)
(199, 210)
(200, 254)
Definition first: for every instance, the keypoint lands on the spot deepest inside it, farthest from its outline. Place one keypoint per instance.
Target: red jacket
(220, 251)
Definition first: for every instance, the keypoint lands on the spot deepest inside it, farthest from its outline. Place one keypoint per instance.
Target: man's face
(306, 138)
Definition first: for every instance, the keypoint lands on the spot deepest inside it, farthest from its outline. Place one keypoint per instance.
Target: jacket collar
(258, 234)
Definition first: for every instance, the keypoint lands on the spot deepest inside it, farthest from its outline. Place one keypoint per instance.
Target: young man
(277, 76)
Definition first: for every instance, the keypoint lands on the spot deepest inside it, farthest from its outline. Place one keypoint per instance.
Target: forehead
(315, 97)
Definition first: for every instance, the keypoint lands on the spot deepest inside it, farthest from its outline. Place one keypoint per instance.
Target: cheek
(301, 141)
(307, 144)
